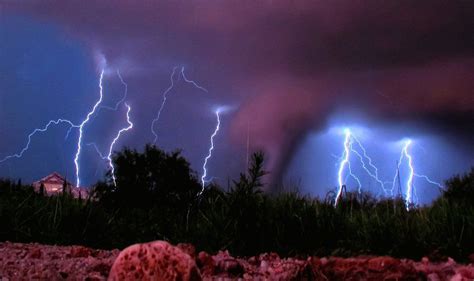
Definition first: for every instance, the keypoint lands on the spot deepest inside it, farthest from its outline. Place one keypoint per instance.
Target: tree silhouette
(149, 178)
(460, 188)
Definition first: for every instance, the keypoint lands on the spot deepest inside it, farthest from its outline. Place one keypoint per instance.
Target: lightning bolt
(209, 155)
(409, 185)
(81, 130)
(364, 156)
(410, 193)
(353, 145)
(109, 155)
(114, 108)
(165, 97)
(345, 162)
(34, 132)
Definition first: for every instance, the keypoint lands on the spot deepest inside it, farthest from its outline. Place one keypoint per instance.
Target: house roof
(53, 178)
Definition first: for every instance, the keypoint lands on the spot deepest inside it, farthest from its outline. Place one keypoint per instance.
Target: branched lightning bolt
(165, 96)
(353, 145)
(397, 172)
(345, 162)
(364, 155)
(114, 108)
(38, 130)
(410, 190)
(108, 157)
(209, 155)
(81, 130)
(119, 133)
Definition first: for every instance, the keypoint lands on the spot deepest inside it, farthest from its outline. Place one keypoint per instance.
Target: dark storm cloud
(289, 63)
(456, 126)
(307, 35)
(371, 34)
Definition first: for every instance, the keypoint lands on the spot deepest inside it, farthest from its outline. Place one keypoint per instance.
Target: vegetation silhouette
(156, 198)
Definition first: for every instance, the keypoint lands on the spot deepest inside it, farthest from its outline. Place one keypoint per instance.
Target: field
(243, 220)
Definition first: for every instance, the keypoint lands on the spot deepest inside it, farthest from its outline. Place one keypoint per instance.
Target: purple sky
(287, 67)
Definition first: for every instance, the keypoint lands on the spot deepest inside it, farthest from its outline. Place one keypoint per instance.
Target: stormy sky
(291, 72)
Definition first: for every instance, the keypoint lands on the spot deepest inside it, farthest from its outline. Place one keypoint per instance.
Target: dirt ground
(44, 262)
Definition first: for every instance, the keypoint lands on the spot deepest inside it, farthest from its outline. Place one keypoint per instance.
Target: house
(55, 183)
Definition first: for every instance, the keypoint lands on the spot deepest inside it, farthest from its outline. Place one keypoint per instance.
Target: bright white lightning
(81, 130)
(345, 162)
(397, 172)
(119, 133)
(165, 97)
(364, 155)
(409, 185)
(108, 157)
(353, 145)
(209, 155)
(115, 108)
(40, 130)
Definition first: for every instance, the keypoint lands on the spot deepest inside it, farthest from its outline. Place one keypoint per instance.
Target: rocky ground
(44, 262)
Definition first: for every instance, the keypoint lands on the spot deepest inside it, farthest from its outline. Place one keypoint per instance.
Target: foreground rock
(154, 261)
(42, 262)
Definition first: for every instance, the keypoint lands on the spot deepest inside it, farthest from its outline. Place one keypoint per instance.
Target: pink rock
(157, 260)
